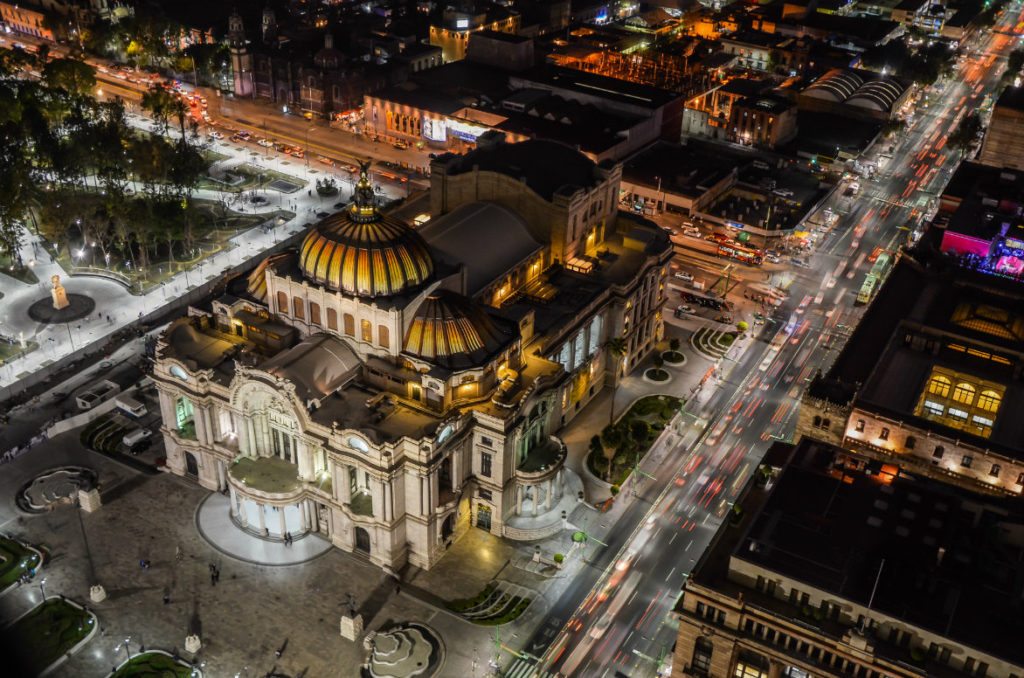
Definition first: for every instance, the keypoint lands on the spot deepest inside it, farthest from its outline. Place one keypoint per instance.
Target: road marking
(673, 538)
(669, 575)
(627, 638)
(688, 545)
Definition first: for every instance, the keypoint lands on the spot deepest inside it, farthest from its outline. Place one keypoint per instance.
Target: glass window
(982, 421)
(884, 435)
(966, 461)
(938, 452)
(298, 310)
(332, 319)
(383, 336)
(282, 302)
(860, 425)
(314, 313)
(939, 386)
(933, 408)
(485, 464)
(956, 413)
(989, 401)
(994, 471)
(702, 651)
(350, 325)
(366, 331)
(910, 443)
(964, 393)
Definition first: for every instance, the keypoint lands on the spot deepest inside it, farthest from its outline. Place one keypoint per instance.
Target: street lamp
(127, 650)
(42, 588)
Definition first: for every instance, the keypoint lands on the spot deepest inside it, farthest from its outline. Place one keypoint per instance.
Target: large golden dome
(451, 330)
(360, 252)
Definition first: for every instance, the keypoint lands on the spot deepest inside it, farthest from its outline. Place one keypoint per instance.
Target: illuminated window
(933, 408)
(964, 393)
(297, 309)
(994, 471)
(956, 414)
(282, 302)
(1020, 479)
(884, 435)
(350, 325)
(383, 336)
(314, 313)
(982, 421)
(966, 461)
(860, 425)
(702, 652)
(939, 385)
(989, 401)
(366, 331)
(332, 319)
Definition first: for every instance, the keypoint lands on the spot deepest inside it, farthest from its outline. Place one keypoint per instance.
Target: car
(265, 143)
(258, 200)
(683, 275)
(340, 205)
(322, 215)
(723, 318)
(136, 436)
(216, 135)
(297, 153)
(797, 261)
(783, 192)
(326, 161)
(400, 145)
(691, 232)
(351, 169)
(877, 252)
(685, 308)
(141, 446)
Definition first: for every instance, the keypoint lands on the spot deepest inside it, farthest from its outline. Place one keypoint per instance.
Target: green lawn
(15, 560)
(656, 412)
(253, 176)
(13, 350)
(153, 665)
(22, 273)
(48, 631)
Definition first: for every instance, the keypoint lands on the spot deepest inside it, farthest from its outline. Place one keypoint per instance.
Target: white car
(216, 135)
(691, 231)
(265, 143)
(684, 276)
(685, 308)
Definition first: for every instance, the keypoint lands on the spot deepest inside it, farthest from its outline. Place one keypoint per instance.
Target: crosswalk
(524, 668)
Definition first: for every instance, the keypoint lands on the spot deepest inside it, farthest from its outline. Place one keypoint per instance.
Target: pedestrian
(213, 579)
(167, 598)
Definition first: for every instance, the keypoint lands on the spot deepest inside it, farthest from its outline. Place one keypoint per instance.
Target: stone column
(262, 511)
(303, 461)
(222, 480)
(167, 410)
(434, 494)
(386, 500)
(304, 514)
(519, 500)
(252, 444)
(547, 496)
(536, 497)
(314, 516)
(377, 496)
(284, 526)
(342, 484)
(234, 500)
(263, 433)
(242, 517)
(211, 433)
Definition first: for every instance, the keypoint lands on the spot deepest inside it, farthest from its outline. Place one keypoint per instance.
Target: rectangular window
(966, 461)
(484, 494)
(938, 452)
(910, 443)
(485, 464)
(982, 421)
(994, 471)
(860, 425)
(884, 435)
(958, 414)
(933, 408)
(702, 652)
(367, 331)
(486, 441)
(1020, 479)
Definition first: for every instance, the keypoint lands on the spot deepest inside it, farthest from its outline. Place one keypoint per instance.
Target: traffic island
(625, 443)
(49, 633)
(16, 561)
(155, 664)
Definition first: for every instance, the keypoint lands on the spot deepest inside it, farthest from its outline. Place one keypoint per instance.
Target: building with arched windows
(931, 380)
(388, 387)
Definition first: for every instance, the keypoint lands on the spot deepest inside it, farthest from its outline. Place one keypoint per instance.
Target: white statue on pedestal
(60, 295)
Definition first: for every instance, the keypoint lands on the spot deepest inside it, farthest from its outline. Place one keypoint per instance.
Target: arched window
(350, 325)
(282, 302)
(383, 336)
(314, 313)
(298, 310)
(939, 385)
(964, 393)
(817, 422)
(332, 319)
(989, 401)
(366, 331)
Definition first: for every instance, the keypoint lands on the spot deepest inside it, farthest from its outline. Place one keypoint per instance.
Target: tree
(72, 75)
(966, 133)
(674, 343)
(612, 438)
(616, 347)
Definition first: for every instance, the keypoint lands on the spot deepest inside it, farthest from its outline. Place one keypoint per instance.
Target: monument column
(263, 518)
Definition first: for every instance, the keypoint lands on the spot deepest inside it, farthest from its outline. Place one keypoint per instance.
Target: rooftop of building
(769, 103)
(746, 87)
(824, 133)
(757, 38)
(989, 202)
(929, 554)
(533, 162)
(549, 116)
(500, 36)
(688, 170)
(601, 86)
(965, 310)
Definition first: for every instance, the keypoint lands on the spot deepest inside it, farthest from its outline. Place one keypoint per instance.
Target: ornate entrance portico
(268, 501)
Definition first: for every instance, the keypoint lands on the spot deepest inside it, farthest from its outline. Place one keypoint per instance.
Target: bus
(705, 300)
(736, 252)
(874, 278)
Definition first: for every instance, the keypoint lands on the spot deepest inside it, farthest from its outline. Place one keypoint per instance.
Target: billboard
(464, 130)
(434, 130)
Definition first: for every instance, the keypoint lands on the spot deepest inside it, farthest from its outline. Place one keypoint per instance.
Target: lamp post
(42, 588)
(127, 650)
